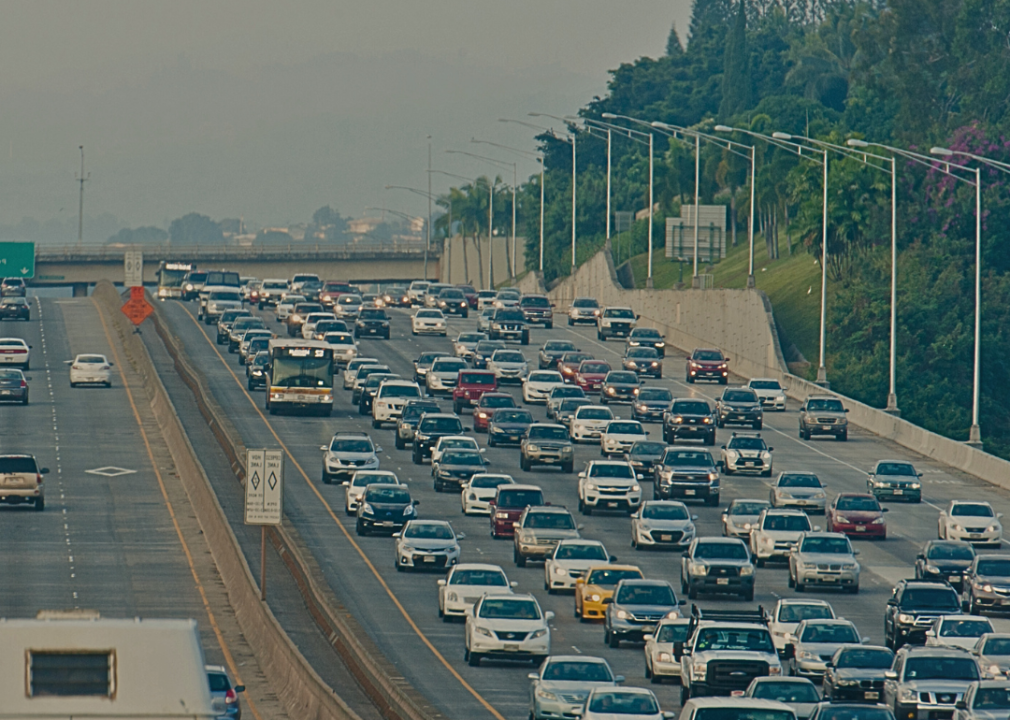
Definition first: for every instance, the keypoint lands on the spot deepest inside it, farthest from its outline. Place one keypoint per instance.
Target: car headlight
(908, 695)
(590, 486)
(993, 528)
(546, 695)
(452, 597)
(819, 495)
(995, 670)
(706, 421)
(906, 618)
(697, 569)
(641, 408)
(483, 631)
(409, 510)
(367, 509)
(958, 528)
(558, 570)
(765, 455)
(407, 549)
(930, 567)
(595, 597)
(731, 454)
(775, 670)
(914, 486)
(844, 682)
(984, 587)
(610, 391)
(622, 614)
(664, 657)
(878, 521)
(806, 655)
(850, 566)
(699, 671)
(746, 570)
(713, 476)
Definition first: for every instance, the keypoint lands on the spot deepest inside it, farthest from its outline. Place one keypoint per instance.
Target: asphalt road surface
(400, 609)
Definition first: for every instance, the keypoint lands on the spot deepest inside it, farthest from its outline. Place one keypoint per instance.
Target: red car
(568, 364)
(708, 365)
(591, 374)
(470, 294)
(856, 515)
(508, 504)
(485, 407)
(332, 290)
(470, 386)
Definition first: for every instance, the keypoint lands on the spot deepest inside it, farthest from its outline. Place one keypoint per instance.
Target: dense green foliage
(909, 73)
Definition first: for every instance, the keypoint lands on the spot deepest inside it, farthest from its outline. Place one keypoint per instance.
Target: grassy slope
(786, 281)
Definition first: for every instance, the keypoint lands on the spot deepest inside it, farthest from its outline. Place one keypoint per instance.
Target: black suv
(372, 321)
(691, 419)
(224, 323)
(409, 419)
(431, 427)
(739, 406)
(509, 324)
(912, 608)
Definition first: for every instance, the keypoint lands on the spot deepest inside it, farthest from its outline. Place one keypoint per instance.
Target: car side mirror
(846, 409)
(441, 582)
(636, 515)
(723, 447)
(613, 558)
(582, 474)
(346, 483)
(513, 584)
(999, 516)
(866, 640)
(608, 600)
(68, 362)
(884, 510)
(323, 448)
(890, 675)
(415, 503)
(682, 601)
(931, 633)
(549, 615)
(461, 536)
(920, 556)
(647, 637)
(44, 471)
(892, 602)
(638, 317)
(378, 449)
(468, 429)
(817, 528)
(533, 676)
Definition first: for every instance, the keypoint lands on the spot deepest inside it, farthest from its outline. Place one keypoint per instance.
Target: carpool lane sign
(264, 487)
(17, 259)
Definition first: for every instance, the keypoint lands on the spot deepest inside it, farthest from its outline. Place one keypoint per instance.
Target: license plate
(899, 491)
(511, 647)
(547, 460)
(6, 392)
(666, 538)
(429, 558)
(611, 504)
(871, 695)
(689, 492)
(860, 528)
(829, 579)
(387, 523)
(975, 535)
(722, 581)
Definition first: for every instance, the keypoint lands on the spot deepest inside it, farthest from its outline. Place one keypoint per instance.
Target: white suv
(387, 406)
(609, 485)
(776, 533)
(615, 322)
(507, 627)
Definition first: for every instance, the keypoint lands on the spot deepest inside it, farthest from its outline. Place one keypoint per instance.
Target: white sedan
(428, 321)
(620, 435)
(351, 370)
(464, 344)
(507, 627)
(287, 305)
(464, 586)
(311, 320)
(961, 631)
(477, 494)
(90, 370)
(344, 347)
(15, 351)
(770, 392)
(571, 560)
(659, 659)
(589, 423)
(538, 385)
(971, 520)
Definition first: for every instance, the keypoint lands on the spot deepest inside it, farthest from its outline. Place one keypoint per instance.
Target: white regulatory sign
(133, 268)
(264, 487)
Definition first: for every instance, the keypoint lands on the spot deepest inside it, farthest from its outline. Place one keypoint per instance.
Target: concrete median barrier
(303, 692)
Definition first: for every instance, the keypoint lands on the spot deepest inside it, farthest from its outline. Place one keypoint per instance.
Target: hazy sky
(268, 110)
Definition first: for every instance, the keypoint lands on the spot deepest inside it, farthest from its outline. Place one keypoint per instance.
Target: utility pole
(80, 205)
(427, 242)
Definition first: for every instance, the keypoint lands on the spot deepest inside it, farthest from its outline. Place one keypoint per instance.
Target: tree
(673, 46)
(195, 229)
(736, 80)
(146, 235)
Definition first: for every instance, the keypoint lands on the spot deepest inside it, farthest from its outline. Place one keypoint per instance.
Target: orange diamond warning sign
(137, 308)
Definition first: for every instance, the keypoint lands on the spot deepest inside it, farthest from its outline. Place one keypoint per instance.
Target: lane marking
(229, 659)
(329, 510)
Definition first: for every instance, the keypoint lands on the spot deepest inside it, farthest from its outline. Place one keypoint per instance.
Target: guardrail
(205, 253)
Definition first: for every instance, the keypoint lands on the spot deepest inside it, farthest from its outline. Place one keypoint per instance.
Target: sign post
(17, 259)
(133, 268)
(264, 499)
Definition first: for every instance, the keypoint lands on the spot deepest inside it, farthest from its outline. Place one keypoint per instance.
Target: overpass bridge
(79, 266)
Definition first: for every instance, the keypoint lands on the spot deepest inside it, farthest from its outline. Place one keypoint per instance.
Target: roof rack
(758, 616)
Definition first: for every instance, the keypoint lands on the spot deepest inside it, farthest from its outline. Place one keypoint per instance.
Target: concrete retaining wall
(452, 268)
(742, 324)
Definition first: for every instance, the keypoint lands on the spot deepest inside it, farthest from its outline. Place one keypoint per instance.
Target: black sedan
(856, 674)
(619, 386)
(945, 560)
(507, 427)
(643, 361)
(384, 507)
(372, 321)
(13, 386)
(15, 308)
(648, 337)
(257, 371)
(453, 301)
(457, 466)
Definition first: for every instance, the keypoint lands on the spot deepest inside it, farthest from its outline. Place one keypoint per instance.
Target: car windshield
(389, 495)
(688, 458)
(349, 300)
(429, 313)
(91, 359)
(594, 413)
(594, 367)
(647, 449)
(743, 713)
(643, 352)
(497, 401)
(429, 531)
(825, 406)
(799, 481)
(931, 599)
(576, 671)
(848, 712)
(585, 303)
(366, 479)
(797, 691)
(535, 302)
(623, 378)
(509, 356)
(858, 504)
(544, 377)
(747, 508)
(857, 657)
(443, 365)
(462, 457)
(721, 551)
(971, 510)
(739, 396)
(369, 314)
(457, 442)
(646, 595)
(997, 646)
(619, 313)
(428, 358)
(471, 337)
(672, 632)
(787, 523)
(626, 428)
(829, 633)
(10, 375)
(476, 379)
(558, 434)
(612, 470)
(992, 698)
(606, 577)
(575, 357)
(576, 551)
(941, 668)
(550, 521)
(573, 404)
(492, 578)
(798, 613)
(965, 628)
(450, 294)
(509, 609)
(441, 425)
(514, 499)
(950, 551)
(509, 315)
(513, 416)
(828, 545)
(707, 355)
(623, 703)
(568, 391)
(896, 469)
(747, 443)
(664, 511)
(654, 395)
(765, 385)
(339, 339)
(490, 481)
(399, 391)
(356, 445)
(994, 567)
(487, 347)
(646, 333)
(559, 346)
(413, 412)
(752, 639)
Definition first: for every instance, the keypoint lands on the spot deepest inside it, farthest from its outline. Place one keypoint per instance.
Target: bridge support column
(80, 289)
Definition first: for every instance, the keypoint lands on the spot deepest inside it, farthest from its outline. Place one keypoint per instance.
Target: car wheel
(798, 586)
(842, 437)
(760, 562)
(474, 659)
(415, 456)
(518, 558)
(570, 467)
(685, 695)
(599, 336)
(719, 423)
(376, 424)
(73, 384)
(854, 590)
(40, 504)
(692, 592)
(723, 381)
(398, 442)
(615, 640)
(710, 440)
(326, 478)
(748, 596)
(524, 463)
(766, 473)
(712, 501)
(570, 322)
(490, 440)
(360, 529)
(790, 582)
(437, 485)
(757, 425)
(689, 380)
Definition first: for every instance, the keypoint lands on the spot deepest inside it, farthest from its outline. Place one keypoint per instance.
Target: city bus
(170, 278)
(301, 376)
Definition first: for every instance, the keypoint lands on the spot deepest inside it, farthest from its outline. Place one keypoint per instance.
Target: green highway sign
(17, 259)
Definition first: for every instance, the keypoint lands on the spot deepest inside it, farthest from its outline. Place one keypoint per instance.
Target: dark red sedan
(591, 374)
(485, 407)
(568, 364)
(856, 515)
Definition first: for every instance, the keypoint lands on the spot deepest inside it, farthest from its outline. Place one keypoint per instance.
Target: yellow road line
(403, 611)
(175, 523)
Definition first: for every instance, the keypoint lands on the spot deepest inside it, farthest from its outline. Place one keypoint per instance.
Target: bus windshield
(302, 367)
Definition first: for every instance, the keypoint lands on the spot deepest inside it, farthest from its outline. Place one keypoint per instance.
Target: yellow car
(596, 586)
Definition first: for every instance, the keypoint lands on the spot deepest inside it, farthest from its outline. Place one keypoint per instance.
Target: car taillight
(24, 384)
(75, 367)
(230, 697)
(38, 478)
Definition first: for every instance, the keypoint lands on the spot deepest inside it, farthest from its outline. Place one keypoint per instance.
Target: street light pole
(822, 373)
(608, 183)
(648, 281)
(695, 280)
(427, 244)
(572, 138)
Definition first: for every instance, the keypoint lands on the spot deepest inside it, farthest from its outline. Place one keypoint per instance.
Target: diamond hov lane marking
(110, 471)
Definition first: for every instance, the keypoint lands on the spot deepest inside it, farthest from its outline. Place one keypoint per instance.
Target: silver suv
(927, 682)
(822, 558)
(823, 415)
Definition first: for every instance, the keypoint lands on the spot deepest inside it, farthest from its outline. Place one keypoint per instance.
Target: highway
(116, 535)
(400, 610)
